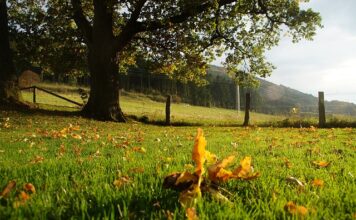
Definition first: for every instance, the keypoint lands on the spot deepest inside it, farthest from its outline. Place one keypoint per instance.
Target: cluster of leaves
(192, 185)
(22, 196)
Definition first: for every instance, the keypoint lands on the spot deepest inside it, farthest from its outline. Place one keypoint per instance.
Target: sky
(328, 63)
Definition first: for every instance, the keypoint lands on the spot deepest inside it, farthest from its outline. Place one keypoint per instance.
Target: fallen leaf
(318, 183)
(245, 170)
(294, 209)
(37, 159)
(5, 192)
(321, 164)
(217, 172)
(21, 199)
(29, 187)
(210, 158)
(191, 214)
(186, 177)
(121, 181)
(139, 149)
(198, 154)
(76, 136)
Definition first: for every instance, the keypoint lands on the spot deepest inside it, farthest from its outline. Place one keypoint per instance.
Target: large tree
(9, 92)
(180, 37)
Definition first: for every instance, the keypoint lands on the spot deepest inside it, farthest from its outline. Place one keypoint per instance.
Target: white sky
(328, 63)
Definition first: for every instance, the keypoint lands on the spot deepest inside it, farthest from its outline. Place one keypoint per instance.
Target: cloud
(328, 63)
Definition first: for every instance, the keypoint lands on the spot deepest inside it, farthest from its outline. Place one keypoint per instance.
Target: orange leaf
(321, 163)
(218, 173)
(191, 214)
(318, 183)
(245, 170)
(294, 209)
(29, 187)
(76, 136)
(199, 152)
(8, 188)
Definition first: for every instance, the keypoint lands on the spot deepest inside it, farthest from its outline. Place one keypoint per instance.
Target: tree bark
(9, 91)
(103, 103)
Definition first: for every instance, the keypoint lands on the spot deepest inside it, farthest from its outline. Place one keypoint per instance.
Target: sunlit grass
(75, 178)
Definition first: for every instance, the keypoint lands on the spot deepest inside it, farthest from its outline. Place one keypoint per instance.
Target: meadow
(68, 167)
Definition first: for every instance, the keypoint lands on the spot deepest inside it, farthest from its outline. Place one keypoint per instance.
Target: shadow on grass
(286, 123)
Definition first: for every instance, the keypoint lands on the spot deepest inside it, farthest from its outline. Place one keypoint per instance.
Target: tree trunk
(103, 103)
(9, 91)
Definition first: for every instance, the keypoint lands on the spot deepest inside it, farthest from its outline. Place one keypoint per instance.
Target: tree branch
(81, 20)
(137, 11)
(180, 18)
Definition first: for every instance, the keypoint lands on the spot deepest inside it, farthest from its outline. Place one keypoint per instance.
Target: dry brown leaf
(5, 192)
(294, 209)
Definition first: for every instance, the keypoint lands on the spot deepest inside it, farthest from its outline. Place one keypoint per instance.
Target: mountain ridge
(280, 98)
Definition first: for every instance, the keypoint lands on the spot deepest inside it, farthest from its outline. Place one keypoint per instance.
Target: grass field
(73, 169)
(140, 105)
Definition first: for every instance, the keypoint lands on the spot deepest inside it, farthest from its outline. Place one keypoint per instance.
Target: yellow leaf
(224, 175)
(294, 209)
(191, 214)
(199, 152)
(210, 158)
(318, 183)
(217, 172)
(321, 163)
(245, 171)
(189, 197)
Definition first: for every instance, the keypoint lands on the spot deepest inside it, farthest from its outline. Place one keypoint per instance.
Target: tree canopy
(175, 37)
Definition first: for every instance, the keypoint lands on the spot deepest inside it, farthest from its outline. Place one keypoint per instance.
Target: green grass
(75, 178)
(139, 105)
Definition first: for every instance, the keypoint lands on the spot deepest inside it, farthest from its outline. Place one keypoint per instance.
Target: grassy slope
(139, 105)
(76, 180)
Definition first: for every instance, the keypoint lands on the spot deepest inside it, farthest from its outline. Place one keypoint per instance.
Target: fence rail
(51, 93)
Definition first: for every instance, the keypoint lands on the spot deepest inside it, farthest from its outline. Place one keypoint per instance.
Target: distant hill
(275, 99)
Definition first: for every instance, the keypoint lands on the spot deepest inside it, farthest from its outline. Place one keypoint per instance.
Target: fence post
(237, 101)
(247, 109)
(168, 110)
(322, 119)
(34, 94)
